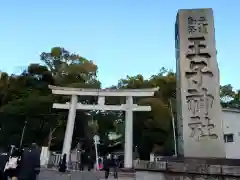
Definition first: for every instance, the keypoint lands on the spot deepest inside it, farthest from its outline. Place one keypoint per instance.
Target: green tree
(24, 96)
(152, 129)
(69, 69)
(229, 97)
(40, 117)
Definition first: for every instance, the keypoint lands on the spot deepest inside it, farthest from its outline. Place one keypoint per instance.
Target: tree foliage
(26, 98)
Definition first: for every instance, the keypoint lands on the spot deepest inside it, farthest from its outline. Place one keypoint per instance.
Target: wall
(188, 169)
(231, 125)
(154, 175)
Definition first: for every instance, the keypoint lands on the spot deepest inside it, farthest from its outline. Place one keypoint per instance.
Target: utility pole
(23, 132)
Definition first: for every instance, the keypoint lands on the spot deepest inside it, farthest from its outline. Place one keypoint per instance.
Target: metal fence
(54, 159)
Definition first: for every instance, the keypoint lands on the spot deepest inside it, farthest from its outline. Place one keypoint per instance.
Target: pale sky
(123, 37)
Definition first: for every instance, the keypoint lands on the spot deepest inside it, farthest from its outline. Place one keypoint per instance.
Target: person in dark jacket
(110, 162)
(90, 163)
(63, 164)
(3, 161)
(30, 163)
(106, 166)
(83, 161)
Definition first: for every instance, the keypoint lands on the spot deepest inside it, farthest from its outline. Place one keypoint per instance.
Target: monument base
(188, 169)
(127, 170)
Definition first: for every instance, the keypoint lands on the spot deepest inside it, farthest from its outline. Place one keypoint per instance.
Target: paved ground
(55, 175)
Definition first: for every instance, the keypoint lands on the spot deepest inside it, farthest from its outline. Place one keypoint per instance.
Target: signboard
(96, 139)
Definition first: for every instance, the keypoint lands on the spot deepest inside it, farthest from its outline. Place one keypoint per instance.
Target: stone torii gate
(129, 107)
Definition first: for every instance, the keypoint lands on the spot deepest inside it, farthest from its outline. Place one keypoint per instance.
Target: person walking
(63, 164)
(82, 160)
(108, 164)
(89, 163)
(115, 165)
(12, 165)
(3, 160)
(30, 163)
(100, 163)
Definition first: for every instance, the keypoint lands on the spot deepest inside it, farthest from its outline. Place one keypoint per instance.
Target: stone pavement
(55, 175)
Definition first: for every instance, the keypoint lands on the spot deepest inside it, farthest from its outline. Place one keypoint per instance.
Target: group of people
(21, 164)
(85, 161)
(24, 164)
(109, 162)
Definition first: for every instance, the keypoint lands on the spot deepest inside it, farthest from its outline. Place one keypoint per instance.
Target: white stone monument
(200, 132)
(45, 156)
(129, 107)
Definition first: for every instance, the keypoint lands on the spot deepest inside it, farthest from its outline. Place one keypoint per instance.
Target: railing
(54, 159)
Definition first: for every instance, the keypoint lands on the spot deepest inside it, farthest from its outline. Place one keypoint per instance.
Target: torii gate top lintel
(102, 92)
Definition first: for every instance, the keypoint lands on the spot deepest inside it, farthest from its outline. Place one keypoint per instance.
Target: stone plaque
(199, 111)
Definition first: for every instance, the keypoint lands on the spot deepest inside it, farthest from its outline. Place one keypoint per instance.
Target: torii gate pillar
(70, 127)
(128, 157)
